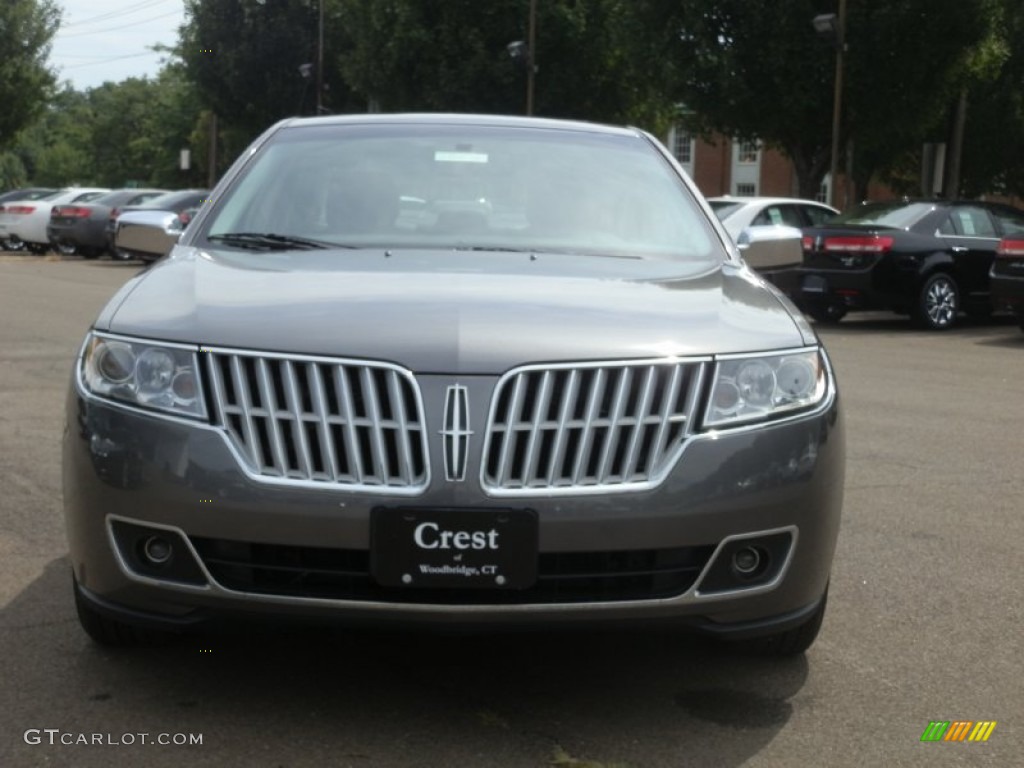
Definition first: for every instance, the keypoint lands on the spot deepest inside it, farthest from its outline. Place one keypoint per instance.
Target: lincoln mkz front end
(453, 371)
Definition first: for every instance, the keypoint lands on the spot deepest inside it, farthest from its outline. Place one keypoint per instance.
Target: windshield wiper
(269, 241)
(497, 248)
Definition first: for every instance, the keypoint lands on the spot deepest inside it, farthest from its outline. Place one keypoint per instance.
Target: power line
(113, 29)
(115, 14)
(112, 58)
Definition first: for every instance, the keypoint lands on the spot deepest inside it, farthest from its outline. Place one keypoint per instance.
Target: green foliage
(756, 69)
(26, 29)
(244, 57)
(117, 133)
(451, 55)
(993, 158)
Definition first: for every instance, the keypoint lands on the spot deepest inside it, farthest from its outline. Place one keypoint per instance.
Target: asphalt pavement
(924, 621)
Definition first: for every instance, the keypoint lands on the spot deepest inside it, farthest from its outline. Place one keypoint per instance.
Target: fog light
(157, 550)
(746, 561)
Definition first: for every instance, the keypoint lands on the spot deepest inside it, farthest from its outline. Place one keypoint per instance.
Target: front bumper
(783, 480)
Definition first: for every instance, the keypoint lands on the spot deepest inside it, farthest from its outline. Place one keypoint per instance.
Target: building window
(747, 152)
(746, 190)
(682, 146)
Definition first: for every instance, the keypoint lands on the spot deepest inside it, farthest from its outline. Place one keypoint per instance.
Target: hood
(452, 312)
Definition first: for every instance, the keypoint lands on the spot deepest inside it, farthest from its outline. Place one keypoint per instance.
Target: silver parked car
(453, 370)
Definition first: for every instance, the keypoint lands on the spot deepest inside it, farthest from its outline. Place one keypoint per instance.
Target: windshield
(471, 187)
(897, 215)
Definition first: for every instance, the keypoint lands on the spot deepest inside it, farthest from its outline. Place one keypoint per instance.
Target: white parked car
(24, 221)
(739, 213)
(775, 223)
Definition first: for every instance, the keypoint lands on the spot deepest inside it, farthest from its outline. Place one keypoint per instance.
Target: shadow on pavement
(331, 696)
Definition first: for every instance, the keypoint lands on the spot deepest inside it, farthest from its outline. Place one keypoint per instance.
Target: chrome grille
(312, 420)
(597, 427)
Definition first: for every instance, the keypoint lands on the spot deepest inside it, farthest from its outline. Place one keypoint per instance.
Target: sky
(102, 40)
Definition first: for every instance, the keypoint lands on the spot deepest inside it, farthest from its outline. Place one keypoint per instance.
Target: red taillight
(71, 211)
(859, 244)
(1010, 248)
(21, 209)
(808, 243)
(184, 217)
(114, 213)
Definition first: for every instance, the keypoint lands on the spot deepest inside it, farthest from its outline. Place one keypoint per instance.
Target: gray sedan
(453, 370)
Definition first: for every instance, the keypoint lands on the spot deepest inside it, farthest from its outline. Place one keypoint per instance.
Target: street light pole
(320, 61)
(837, 106)
(531, 62)
(833, 27)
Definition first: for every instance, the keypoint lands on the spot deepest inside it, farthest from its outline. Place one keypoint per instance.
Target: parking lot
(924, 618)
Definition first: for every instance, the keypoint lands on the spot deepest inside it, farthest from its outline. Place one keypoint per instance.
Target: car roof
(504, 121)
(743, 200)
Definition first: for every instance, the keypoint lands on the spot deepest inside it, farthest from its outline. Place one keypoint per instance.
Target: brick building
(723, 166)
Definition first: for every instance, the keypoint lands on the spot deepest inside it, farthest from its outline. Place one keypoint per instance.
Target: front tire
(938, 302)
(37, 248)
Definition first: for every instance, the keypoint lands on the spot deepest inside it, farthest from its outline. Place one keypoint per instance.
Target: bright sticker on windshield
(444, 156)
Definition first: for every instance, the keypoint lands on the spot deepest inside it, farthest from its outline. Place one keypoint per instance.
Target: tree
(755, 69)
(993, 152)
(26, 82)
(247, 58)
(452, 55)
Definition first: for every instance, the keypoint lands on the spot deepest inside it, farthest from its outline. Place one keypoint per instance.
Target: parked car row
(929, 259)
(84, 221)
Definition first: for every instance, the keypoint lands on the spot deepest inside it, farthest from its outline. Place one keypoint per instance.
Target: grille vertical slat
(569, 393)
(591, 427)
(597, 384)
(509, 437)
(297, 410)
(401, 418)
(540, 407)
(319, 421)
(639, 424)
(352, 454)
(668, 398)
(245, 409)
(611, 434)
(320, 408)
(376, 429)
(270, 414)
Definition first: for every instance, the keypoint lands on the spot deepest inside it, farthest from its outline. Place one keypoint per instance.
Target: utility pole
(531, 62)
(320, 61)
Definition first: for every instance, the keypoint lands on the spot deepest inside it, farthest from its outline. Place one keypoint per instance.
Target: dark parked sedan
(177, 202)
(82, 227)
(928, 258)
(1007, 275)
(453, 371)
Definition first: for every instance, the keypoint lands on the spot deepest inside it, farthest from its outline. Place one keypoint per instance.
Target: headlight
(756, 388)
(143, 374)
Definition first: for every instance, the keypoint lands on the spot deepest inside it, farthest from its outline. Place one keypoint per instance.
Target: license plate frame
(444, 548)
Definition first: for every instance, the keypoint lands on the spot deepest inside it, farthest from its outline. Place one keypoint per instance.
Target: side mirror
(771, 246)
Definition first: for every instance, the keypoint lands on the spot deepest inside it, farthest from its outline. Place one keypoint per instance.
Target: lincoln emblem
(456, 433)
